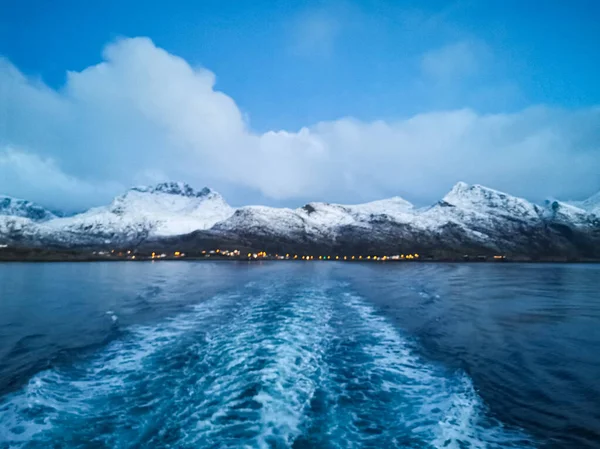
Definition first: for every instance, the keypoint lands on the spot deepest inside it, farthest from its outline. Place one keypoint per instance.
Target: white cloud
(466, 72)
(39, 179)
(144, 115)
(314, 33)
(454, 61)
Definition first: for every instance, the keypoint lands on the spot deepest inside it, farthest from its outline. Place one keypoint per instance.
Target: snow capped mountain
(163, 210)
(592, 204)
(468, 218)
(142, 212)
(313, 219)
(23, 208)
(482, 199)
(333, 215)
(175, 188)
(568, 213)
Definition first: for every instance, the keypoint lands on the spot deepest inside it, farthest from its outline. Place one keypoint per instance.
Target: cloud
(466, 72)
(314, 33)
(455, 61)
(31, 176)
(144, 115)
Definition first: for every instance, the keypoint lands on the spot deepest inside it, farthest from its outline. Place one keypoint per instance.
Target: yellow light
(352, 257)
(203, 252)
(337, 257)
(217, 250)
(133, 257)
(153, 254)
(368, 257)
(345, 258)
(416, 255)
(287, 255)
(360, 257)
(177, 253)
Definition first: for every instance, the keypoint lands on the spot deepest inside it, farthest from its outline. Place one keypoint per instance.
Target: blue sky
(293, 65)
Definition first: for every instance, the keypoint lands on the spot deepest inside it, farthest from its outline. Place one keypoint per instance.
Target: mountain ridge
(468, 218)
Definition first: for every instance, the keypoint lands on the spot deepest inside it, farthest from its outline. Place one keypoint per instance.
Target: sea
(299, 354)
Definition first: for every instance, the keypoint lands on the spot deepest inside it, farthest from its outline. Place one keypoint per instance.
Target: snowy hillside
(592, 204)
(142, 212)
(468, 217)
(164, 210)
(314, 219)
(22, 208)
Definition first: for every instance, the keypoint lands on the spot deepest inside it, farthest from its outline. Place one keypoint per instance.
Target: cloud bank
(143, 115)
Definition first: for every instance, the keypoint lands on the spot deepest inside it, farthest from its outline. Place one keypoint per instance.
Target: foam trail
(269, 370)
(54, 397)
(275, 364)
(235, 371)
(400, 399)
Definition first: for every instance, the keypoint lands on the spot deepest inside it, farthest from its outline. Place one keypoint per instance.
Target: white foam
(450, 414)
(251, 364)
(68, 391)
(290, 353)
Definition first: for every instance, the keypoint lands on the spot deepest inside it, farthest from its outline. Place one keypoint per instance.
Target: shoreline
(82, 259)
(250, 255)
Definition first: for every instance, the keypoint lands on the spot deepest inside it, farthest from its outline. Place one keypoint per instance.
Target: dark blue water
(299, 354)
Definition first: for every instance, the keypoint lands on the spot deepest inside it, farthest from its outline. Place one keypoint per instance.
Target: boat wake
(273, 365)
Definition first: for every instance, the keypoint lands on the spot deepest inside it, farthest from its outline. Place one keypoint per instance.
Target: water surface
(299, 354)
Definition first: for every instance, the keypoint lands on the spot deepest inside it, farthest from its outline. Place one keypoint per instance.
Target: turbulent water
(301, 355)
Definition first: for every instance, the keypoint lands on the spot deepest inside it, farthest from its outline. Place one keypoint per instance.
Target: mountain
(592, 204)
(469, 219)
(142, 212)
(22, 208)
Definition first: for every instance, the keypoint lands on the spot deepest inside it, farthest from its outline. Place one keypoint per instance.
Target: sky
(281, 103)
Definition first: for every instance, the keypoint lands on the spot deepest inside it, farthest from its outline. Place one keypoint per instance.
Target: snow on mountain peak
(483, 200)
(592, 204)
(463, 194)
(23, 208)
(170, 208)
(174, 188)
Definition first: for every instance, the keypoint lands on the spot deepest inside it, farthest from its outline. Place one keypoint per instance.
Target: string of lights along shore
(236, 254)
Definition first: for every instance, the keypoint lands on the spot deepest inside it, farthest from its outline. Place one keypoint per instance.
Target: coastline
(8, 255)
